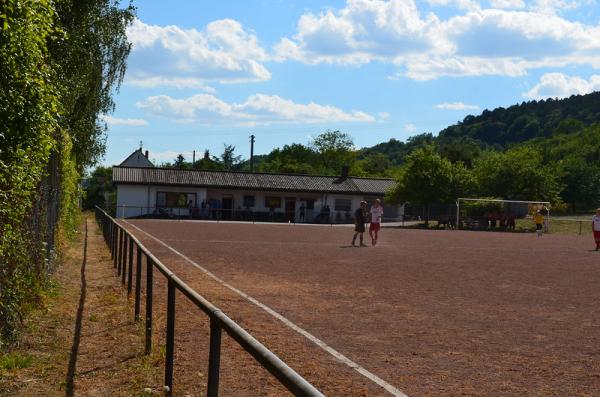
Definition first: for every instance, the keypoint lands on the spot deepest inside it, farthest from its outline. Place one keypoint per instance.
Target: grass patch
(11, 361)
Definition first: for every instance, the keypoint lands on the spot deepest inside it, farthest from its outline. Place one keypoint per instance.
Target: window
(175, 200)
(343, 205)
(161, 199)
(248, 201)
(273, 202)
(310, 204)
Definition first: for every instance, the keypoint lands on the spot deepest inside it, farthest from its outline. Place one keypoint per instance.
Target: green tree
(228, 160)
(518, 173)
(582, 182)
(99, 187)
(180, 162)
(335, 149)
(427, 178)
(90, 60)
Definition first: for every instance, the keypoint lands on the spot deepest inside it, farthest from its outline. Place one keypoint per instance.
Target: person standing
(538, 218)
(302, 212)
(376, 216)
(360, 218)
(596, 228)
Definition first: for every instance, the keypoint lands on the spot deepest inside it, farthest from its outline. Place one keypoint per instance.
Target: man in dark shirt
(360, 218)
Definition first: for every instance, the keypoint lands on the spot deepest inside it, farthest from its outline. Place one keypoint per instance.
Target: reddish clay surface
(430, 312)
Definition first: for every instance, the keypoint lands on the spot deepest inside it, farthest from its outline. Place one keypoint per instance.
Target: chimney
(146, 154)
(345, 170)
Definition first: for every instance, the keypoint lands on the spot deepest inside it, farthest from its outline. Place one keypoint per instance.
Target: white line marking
(339, 356)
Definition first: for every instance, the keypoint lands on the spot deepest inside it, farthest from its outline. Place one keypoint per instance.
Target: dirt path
(108, 343)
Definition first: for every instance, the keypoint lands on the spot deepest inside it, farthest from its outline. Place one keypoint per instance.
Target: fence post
(138, 282)
(214, 358)
(121, 250)
(149, 266)
(130, 272)
(125, 257)
(115, 244)
(170, 338)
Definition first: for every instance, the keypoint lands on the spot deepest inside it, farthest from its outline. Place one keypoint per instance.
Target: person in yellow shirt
(538, 218)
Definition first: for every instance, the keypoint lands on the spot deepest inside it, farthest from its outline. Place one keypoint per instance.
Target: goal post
(513, 207)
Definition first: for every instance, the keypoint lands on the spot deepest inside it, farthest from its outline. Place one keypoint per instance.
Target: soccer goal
(490, 214)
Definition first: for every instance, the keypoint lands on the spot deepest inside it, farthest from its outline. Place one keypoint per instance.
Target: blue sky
(205, 73)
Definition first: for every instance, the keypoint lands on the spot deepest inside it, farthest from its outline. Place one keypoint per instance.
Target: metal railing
(232, 214)
(122, 244)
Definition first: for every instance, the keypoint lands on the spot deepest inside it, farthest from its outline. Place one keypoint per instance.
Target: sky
(202, 74)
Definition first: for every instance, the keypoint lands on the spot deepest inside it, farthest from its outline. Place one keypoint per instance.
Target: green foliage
(518, 174)
(228, 160)
(427, 178)
(90, 60)
(59, 63)
(99, 185)
(335, 149)
(14, 361)
(528, 120)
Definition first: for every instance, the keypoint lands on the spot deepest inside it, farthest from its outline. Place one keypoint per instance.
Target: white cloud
(558, 85)
(256, 109)
(456, 106)
(110, 120)
(508, 4)
(363, 31)
(410, 128)
(171, 56)
(490, 41)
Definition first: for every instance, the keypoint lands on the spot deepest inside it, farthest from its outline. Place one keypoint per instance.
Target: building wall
(137, 200)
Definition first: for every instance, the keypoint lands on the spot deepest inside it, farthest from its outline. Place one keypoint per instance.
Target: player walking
(596, 228)
(360, 218)
(376, 216)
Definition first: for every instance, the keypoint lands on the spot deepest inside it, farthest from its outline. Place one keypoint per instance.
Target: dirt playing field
(424, 312)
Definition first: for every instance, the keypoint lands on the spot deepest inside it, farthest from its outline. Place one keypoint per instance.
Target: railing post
(130, 274)
(114, 243)
(149, 266)
(214, 358)
(126, 239)
(121, 250)
(138, 282)
(170, 338)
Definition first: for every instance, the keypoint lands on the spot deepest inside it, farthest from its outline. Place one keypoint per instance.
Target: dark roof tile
(251, 181)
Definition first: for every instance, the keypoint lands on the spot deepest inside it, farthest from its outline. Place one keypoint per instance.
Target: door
(227, 206)
(290, 209)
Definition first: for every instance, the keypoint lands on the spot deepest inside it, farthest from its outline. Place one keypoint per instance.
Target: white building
(165, 192)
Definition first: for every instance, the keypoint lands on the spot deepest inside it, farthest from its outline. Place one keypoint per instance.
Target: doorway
(290, 209)
(227, 206)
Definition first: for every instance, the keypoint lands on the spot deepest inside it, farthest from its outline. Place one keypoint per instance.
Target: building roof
(250, 180)
(137, 159)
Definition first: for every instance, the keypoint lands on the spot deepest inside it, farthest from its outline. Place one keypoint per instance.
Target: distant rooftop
(250, 180)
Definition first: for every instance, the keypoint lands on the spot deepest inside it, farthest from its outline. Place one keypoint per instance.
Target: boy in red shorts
(376, 216)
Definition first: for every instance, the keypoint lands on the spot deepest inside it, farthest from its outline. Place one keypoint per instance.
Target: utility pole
(252, 153)
(193, 158)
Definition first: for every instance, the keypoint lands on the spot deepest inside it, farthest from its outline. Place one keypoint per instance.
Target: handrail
(119, 240)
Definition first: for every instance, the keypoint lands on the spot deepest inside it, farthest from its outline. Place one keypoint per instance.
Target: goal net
(496, 214)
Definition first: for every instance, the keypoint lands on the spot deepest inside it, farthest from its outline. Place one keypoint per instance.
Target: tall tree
(427, 178)
(518, 173)
(91, 60)
(228, 160)
(335, 149)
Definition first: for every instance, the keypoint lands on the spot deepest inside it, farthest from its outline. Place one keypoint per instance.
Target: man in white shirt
(596, 228)
(376, 216)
